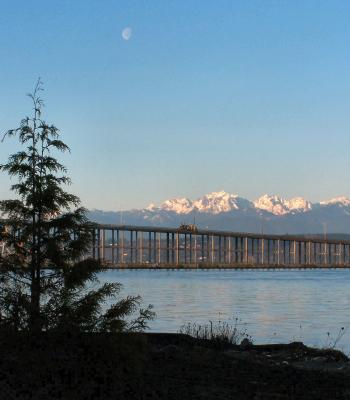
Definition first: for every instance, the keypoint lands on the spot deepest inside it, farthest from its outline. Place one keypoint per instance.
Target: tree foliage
(46, 281)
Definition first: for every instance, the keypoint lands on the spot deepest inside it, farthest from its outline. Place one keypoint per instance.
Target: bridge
(127, 246)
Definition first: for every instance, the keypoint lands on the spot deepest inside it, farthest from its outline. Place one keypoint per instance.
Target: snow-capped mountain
(221, 210)
(218, 202)
(279, 206)
(179, 205)
(341, 201)
(215, 203)
(221, 202)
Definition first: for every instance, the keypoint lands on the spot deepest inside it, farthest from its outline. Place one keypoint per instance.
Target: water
(274, 306)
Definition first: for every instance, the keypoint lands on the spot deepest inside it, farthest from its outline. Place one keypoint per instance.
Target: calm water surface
(274, 306)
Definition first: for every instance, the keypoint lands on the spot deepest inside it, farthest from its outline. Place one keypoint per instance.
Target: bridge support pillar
(150, 247)
(167, 248)
(131, 259)
(208, 249)
(229, 250)
(122, 247)
(177, 249)
(173, 247)
(202, 248)
(141, 247)
(113, 246)
(213, 258)
(191, 250)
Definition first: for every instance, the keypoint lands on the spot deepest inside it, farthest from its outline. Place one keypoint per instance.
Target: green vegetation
(46, 283)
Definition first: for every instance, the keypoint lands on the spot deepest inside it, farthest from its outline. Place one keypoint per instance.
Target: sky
(250, 97)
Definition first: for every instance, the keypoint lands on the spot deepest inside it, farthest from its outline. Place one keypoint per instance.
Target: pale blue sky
(251, 97)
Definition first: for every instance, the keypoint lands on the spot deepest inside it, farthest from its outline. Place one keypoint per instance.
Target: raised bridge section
(127, 246)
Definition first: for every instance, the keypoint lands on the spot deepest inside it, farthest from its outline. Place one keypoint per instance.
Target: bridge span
(127, 246)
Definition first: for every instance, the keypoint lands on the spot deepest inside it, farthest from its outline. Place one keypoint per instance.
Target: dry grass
(221, 332)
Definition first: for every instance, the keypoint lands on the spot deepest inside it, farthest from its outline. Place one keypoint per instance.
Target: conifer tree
(46, 281)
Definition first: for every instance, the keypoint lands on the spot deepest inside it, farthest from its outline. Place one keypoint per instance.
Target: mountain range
(225, 211)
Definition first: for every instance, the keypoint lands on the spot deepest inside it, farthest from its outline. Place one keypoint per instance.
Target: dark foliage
(46, 281)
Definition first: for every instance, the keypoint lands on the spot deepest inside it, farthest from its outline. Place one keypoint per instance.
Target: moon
(126, 33)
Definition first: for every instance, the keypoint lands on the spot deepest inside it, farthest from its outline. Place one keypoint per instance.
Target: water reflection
(276, 306)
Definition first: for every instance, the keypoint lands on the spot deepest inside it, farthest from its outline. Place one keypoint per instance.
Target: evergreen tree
(46, 283)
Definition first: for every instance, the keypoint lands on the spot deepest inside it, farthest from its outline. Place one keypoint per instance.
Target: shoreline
(166, 366)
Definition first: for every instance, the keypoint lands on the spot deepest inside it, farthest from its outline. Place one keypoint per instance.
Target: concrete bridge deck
(128, 246)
